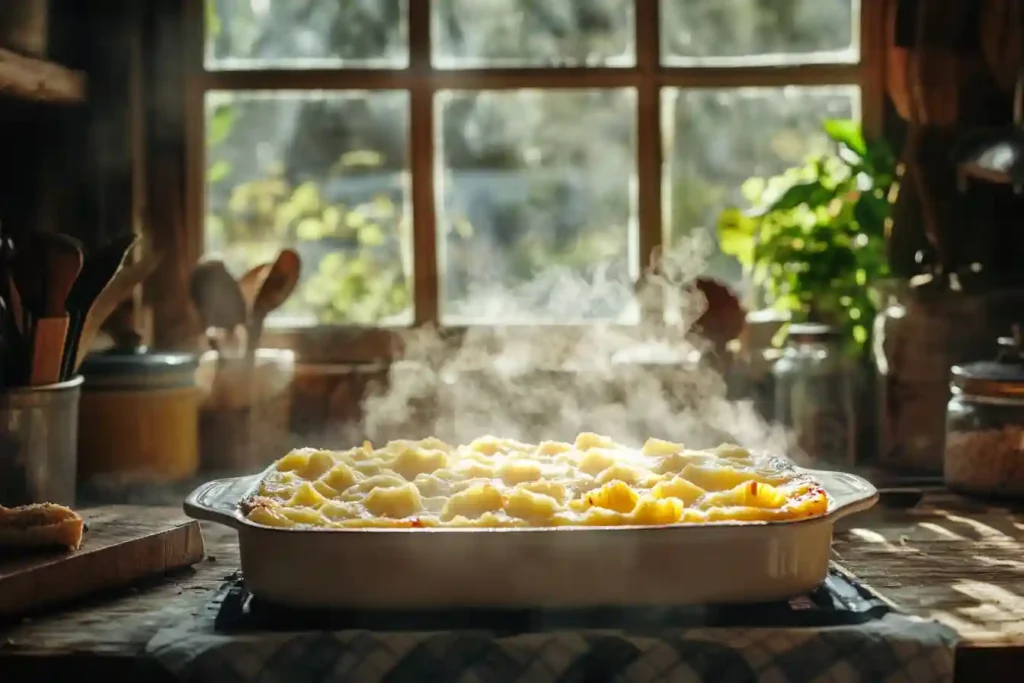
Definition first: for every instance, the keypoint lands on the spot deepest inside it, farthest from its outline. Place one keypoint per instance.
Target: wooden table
(948, 559)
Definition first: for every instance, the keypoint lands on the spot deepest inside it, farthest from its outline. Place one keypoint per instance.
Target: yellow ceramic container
(138, 417)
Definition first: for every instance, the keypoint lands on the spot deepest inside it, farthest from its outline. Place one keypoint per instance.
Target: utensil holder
(39, 443)
(244, 418)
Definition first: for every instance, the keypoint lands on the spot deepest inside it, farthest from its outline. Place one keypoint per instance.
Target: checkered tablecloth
(893, 649)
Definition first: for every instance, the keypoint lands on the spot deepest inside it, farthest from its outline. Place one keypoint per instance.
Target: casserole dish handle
(217, 500)
(849, 493)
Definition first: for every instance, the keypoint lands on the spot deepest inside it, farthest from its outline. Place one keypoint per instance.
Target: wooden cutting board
(122, 543)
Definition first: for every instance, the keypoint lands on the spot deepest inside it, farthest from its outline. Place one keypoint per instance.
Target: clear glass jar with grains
(984, 452)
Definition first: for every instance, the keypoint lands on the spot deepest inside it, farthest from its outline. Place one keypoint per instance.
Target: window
(426, 156)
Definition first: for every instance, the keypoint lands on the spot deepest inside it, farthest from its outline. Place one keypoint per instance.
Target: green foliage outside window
(814, 244)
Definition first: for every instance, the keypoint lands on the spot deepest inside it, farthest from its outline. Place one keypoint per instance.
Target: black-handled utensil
(99, 268)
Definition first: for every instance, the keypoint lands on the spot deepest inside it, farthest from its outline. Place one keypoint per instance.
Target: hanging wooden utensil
(116, 291)
(935, 67)
(900, 27)
(99, 268)
(277, 287)
(58, 259)
(1001, 34)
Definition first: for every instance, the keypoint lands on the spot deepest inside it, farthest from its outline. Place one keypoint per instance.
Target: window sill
(354, 346)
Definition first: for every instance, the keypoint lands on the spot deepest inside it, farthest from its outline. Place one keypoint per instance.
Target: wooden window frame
(648, 76)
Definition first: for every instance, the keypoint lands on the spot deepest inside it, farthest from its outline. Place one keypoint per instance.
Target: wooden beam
(36, 79)
(514, 79)
(650, 167)
(872, 65)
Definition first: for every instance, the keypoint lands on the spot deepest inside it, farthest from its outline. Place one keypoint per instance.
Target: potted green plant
(813, 244)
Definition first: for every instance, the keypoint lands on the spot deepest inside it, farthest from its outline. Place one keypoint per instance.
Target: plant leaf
(871, 212)
(220, 125)
(218, 172)
(736, 232)
(846, 132)
(812, 195)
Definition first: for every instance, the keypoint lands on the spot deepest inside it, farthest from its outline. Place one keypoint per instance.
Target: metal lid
(1000, 378)
(130, 362)
(809, 333)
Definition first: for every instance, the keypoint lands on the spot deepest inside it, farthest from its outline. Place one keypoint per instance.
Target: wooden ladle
(278, 285)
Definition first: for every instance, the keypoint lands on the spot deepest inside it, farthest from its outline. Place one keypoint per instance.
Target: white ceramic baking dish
(546, 567)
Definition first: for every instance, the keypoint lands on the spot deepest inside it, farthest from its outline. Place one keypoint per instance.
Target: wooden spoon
(57, 261)
(217, 297)
(98, 269)
(252, 281)
(277, 287)
(119, 288)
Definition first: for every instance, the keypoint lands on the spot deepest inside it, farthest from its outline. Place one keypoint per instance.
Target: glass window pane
(532, 33)
(759, 32)
(327, 174)
(306, 34)
(537, 206)
(714, 140)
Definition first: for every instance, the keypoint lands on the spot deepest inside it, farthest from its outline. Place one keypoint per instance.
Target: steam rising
(630, 382)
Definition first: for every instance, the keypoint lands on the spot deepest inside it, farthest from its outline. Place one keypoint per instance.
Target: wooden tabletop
(953, 560)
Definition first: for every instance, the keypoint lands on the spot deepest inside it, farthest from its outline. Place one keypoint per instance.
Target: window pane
(305, 34)
(325, 173)
(715, 139)
(537, 213)
(753, 32)
(524, 33)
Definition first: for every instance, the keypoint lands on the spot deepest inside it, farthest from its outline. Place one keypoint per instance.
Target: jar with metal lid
(985, 424)
(138, 418)
(814, 394)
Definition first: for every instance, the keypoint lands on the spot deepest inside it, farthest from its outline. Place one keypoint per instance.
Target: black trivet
(839, 601)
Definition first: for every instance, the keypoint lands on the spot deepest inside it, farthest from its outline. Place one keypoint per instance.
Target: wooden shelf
(30, 78)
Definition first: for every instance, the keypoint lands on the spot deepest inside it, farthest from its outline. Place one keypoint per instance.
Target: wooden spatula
(277, 287)
(59, 261)
(113, 293)
(97, 270)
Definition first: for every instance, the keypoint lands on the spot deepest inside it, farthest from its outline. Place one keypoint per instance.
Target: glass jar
(984, 452)
(755, 359)
(814, 394)
(919, 335)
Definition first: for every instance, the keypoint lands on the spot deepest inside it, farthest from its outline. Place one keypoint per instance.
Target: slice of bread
(39, 526)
